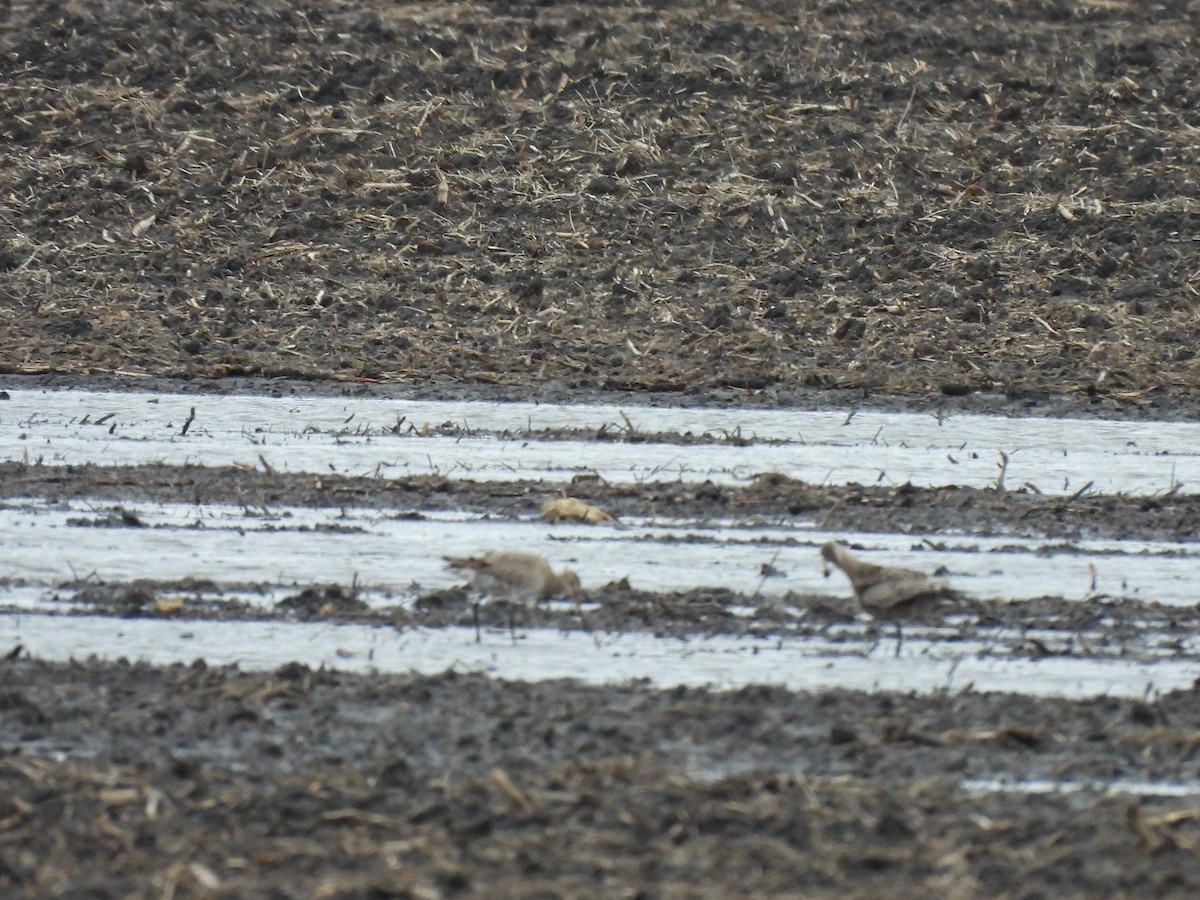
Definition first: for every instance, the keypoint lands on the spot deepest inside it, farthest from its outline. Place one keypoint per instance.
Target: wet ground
(952, 206)
(771, 497)
(199, 781)
(125, 780)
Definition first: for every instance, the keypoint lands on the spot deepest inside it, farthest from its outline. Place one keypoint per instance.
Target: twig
(1079, 493)
(907, 109)
(767, 571)
(829, 515)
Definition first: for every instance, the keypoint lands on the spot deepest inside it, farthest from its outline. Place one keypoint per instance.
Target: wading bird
(515, 578)
(885, 592)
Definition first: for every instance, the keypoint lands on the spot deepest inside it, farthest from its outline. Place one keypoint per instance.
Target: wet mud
(1096, 628)
(127, 780)
(769, 498)
(968, 206)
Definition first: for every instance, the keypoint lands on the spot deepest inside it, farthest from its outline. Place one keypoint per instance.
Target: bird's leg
(512, 623)
(587, 626)
(876, 634)
(582, 618)
(899, 638)
(475, 613)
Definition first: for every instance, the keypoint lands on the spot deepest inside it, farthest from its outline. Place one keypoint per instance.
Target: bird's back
(507, 576)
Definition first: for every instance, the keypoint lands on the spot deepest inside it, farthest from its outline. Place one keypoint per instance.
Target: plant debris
(302, 782)
(657, 198)
(956, 205)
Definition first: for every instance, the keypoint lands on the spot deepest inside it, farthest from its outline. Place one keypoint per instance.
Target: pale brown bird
(885, 592)
(516, 578)
(520, 577)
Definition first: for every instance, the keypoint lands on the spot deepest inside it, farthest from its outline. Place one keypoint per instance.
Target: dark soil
(132, 781)
(976, 204)
(921, 199)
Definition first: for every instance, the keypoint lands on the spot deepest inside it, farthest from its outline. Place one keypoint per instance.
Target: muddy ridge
(770, 497)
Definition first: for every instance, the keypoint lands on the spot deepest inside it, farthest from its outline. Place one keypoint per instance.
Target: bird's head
(829, 552)
(571, 584)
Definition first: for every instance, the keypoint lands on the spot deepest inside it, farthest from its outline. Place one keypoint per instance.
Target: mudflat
(977, 204)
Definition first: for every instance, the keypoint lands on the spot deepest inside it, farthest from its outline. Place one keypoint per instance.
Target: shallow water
(1118, 786)
(264, 553)
(719, 662)
(401, 555)
(361, 437)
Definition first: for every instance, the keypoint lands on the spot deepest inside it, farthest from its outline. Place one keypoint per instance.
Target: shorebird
(885, 592)
(516, 578)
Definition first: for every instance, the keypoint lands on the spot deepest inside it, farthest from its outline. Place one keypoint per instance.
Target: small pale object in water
(574, 510)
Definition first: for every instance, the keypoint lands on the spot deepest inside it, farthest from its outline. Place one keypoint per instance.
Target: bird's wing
(904, 587)
(865, 576)
(517, 567)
